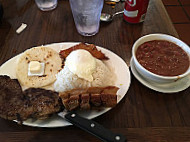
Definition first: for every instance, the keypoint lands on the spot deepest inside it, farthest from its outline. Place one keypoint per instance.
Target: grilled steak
(11, 98)
(32, 103)
(12, 84)
(41, 103)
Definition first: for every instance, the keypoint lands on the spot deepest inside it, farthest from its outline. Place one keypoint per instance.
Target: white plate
(123, 82)
(174, 87)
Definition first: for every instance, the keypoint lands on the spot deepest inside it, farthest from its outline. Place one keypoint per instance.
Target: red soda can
(135, 10)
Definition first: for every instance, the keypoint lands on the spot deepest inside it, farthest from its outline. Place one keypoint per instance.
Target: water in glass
(46, 5)
(86, 15)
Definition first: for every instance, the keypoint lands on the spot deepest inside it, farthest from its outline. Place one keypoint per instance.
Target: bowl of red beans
(161, 58)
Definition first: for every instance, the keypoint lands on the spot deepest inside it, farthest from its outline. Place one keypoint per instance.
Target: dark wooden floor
(179, 12)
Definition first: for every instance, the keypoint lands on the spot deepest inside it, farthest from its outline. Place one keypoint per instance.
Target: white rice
(66, 80)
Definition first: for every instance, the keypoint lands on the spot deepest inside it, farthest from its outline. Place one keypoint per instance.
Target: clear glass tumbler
(46, 5)
(86, 14)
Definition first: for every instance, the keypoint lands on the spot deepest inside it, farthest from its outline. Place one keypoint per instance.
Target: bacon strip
(90, 48)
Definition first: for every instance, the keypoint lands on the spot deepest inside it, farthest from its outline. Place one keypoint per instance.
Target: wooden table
(143, 114)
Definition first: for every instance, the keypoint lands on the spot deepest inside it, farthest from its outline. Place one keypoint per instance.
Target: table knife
(92, 127)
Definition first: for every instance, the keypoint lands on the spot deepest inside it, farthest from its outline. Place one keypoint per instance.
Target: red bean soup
(163, 58)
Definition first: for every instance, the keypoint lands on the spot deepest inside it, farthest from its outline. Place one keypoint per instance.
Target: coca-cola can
(135, 10)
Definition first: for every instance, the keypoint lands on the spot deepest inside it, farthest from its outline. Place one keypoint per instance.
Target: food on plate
(40, 103)
(16, 104)
(84, 82)
(163, 58)
(82, 70)
(89, 97)
(11, 84)
(39, 57)
(89, 47)
(10, 95)
(81, 63)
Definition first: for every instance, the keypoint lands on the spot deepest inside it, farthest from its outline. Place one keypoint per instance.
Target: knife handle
(94, 128)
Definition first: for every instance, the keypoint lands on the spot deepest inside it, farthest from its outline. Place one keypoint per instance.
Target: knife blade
(92, 127)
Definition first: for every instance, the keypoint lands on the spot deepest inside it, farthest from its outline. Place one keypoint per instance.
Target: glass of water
(86, 14)
(46, 5)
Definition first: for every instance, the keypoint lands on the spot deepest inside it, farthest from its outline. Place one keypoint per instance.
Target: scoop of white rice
(66, 80)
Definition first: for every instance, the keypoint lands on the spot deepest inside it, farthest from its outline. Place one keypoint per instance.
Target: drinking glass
(46, 5)
(86, 14)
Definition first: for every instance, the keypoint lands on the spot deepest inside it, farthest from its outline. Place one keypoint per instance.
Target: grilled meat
(93, 96)
(41, 102)
(12, 84)
(32, 103)
(11, 98)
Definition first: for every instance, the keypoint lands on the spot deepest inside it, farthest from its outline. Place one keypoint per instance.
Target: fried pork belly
(89, 47)
(85, 101)
(88, 98)
(108, 96)
(71, 99)
(108, 100)
(73, 102)
(110, 90)
(96, 100)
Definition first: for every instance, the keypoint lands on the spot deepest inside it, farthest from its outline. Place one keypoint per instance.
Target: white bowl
(149, 75)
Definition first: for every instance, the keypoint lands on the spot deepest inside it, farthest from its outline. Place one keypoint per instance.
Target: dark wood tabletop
(142, 115)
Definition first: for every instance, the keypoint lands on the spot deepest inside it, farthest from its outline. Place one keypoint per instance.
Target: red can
(135, 10)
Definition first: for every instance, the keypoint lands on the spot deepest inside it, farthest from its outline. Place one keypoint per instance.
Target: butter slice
(35, 68)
